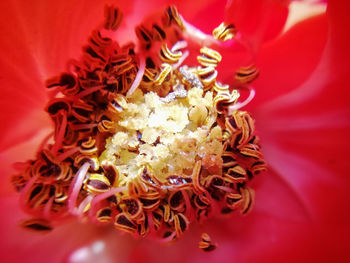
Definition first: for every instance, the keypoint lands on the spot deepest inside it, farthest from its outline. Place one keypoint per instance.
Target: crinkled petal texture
(302, 115)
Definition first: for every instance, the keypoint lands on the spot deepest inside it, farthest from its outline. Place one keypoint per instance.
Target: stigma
(141, 140)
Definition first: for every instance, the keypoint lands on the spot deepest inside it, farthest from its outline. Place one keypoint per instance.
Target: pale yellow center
(167, 135)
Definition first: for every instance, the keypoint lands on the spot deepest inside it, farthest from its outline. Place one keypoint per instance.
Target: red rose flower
(302, 116)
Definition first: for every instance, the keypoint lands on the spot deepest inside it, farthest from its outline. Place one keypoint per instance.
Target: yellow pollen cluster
(166, 136)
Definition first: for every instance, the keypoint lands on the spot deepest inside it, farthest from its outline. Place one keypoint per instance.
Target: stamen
(168, 56)
(60, 135)
(75, 127)
(138, 77)
(209, 57)
(38, 225)
(224, 32)
(113, 18)
(179, 45)
(67, 154)
(83, 207)
(103, 196)
(181, 60)
(197, 34)
(47, 208)
(75, 187)
(166, 239)
(246, 75)
(225, 188)
(25, 190)
(206, 244)
(239, 105)
(188, 212)
(45, 140)
(166, 69)
(87, 92)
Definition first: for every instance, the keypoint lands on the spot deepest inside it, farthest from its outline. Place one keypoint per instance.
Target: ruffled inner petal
(275, 197)
(257, 20)
(289, 61)
(305, 132)
(207, 15)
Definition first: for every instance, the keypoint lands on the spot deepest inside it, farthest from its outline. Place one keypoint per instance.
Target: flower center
(142, 141)
(163, 136)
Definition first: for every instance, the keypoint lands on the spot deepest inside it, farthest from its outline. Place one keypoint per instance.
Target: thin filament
(76, 186)
(138, 77)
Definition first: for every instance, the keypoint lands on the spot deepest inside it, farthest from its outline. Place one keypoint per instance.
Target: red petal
(255, 238)
(305, 132)
(23, 123)
(51, 31)
(108, 246)
(18, 245)
(206, 15)
(271, 186)
(289, 60)
(257, 20)
(20, 153)
(21, 93)
(54, 31)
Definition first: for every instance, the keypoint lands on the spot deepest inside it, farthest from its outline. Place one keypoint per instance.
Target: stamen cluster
(99, 162)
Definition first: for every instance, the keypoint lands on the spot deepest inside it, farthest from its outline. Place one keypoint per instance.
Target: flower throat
(142, 141)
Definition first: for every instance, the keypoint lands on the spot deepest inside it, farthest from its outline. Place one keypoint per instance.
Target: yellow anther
(248, 200)
(166, 69)
(246, 74)
(169, 56)
(224, 32)
(207, 75)
(171, 15)
(224, 99)
(118, 104)
(209, 57)
(211, 53)
(218, 87)
(97, 183)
